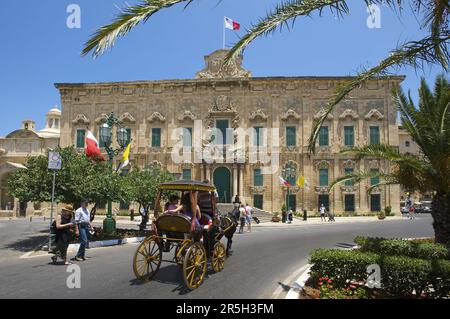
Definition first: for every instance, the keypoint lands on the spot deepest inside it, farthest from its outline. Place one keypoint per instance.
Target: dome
(54, 112)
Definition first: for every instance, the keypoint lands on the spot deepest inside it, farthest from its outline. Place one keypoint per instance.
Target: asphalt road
(261, 263)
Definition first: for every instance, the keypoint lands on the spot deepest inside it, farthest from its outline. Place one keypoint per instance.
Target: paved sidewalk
(125, 221)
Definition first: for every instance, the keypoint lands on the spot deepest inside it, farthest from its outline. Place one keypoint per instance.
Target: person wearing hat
(64, 227)
(83, 220)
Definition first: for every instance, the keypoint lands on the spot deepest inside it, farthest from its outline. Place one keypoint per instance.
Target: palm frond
(357, 177)
(105, 37)
(411, 53)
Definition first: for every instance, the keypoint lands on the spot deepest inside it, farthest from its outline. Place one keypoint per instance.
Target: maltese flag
(231, 24)
(92, 150)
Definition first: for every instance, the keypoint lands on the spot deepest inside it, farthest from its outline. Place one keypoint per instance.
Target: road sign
(54, 161)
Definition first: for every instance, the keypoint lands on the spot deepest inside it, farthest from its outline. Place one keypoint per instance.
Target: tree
(78, 179)
(142, 186)
(429, 126)
(433, 48)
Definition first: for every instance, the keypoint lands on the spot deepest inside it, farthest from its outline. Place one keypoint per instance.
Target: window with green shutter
(258, 136)
(187, 136)
(257, 177)
(156, 137)
(349, 202)
(348, 171)
(81, 137)
(374, 135)
(187, 174)
(349, 136)
(323, 177)
(323, 136)
(291, 136)
(258, 201)
(222, 138)
(375, 202)
(374, 180)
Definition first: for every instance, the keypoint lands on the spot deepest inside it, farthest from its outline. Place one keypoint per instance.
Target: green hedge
(401, 276)
(401, 247)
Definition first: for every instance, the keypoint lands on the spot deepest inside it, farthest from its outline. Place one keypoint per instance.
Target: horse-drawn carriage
(191, 240)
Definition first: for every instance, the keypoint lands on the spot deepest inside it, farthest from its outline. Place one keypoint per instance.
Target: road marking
(280, 291)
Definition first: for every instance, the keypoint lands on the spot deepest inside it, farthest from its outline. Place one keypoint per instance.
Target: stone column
(208, 174)
(202, 175)
(235, 181)
(241, 182)
(29, 210)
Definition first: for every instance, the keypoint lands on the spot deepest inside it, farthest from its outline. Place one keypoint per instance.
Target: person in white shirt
(322, 213)
(249, 211)
(242, 218)
(83, 220)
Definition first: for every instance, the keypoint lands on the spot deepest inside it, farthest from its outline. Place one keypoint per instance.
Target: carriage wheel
(147, 259)
(218, 258)
(194, 266)
(180, 253)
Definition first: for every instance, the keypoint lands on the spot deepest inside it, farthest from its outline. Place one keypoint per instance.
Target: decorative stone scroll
(323, 164)
(374, 114)
(258, 115)
(321, 113)
(349, 113)
(349, 164)
(101, 119)
(127, 117)
(290, 114)
(81, 119)
(187, 116)
(156, 117)
(215, 67)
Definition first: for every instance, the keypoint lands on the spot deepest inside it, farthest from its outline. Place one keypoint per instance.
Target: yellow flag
(301, 181)
(126, 157)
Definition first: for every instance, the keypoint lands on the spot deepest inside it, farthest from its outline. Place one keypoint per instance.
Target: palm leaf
(105, 37)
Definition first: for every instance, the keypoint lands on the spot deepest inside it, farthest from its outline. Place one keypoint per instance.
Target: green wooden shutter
(81, 136)
(323, 177)
(374, 135)
(156, 137)
(257, 177)
(187, 174)
(291, 136)
(323, 136)
(349, 136)
(258, 201)
(374, 180)
(187, 136)
(348, 171)
(349, 203)
(375, 202)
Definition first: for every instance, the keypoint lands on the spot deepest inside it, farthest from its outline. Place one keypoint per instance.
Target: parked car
(403, 208)
(425, 207)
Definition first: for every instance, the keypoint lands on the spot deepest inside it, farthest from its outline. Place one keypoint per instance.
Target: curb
(299, 284)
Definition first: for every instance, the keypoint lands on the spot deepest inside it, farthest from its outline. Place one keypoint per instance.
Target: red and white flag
(284, 182)
(92, 150)
(231, 24)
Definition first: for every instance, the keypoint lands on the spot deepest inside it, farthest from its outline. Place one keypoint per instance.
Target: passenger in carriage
(172, 204)
(186, 207)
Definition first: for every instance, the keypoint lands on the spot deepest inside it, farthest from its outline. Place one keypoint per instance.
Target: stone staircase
(262, 215)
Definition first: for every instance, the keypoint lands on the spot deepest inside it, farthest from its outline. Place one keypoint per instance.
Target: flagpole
(223, 36)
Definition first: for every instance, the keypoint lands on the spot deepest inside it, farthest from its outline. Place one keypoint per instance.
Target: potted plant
(276, 218)
(381, 215)
(388, 211)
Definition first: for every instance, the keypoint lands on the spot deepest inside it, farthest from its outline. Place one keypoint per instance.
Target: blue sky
(37, 48)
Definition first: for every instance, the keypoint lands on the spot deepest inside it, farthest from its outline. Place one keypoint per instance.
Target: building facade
(15, 148)
(227, 125)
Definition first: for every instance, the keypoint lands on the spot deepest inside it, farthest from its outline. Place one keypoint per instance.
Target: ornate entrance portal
(222, 181)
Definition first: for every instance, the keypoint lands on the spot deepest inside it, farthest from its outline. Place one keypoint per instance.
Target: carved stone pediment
(101, 118)
(222, 106)
(322, 164)
(374, 114)
(155, 117)
(127, 117)
(321, 189)
(321, 113)
(215, 67)
(290, 114)
(349, 164)
(348, 189)
(222, 103)
(373, 164)
(349, 113)
(258, 115)
(187, 116)
(81, 119)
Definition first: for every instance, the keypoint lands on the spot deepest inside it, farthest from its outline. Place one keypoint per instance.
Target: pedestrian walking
(290, 216)
(242, 218)
(83, 220)
(322, 213)
(330, 215)
(249, 216)
(64, 227)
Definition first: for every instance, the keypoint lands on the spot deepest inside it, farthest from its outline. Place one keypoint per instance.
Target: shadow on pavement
(27, 244)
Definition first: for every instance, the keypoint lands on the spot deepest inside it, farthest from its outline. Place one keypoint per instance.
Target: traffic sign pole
(54, 163)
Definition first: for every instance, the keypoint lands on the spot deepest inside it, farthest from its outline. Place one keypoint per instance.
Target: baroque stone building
(15, 148)
(216, 109)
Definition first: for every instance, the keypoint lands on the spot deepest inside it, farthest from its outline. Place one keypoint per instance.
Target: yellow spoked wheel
(218, 257)
(147, 259)
(180, 252)
(194, 266)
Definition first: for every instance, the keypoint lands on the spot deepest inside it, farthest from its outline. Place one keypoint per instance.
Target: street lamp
(106, 130)
(289, 173)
